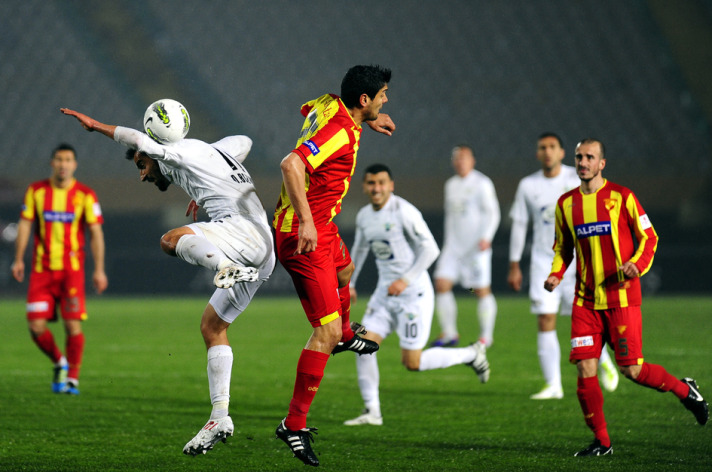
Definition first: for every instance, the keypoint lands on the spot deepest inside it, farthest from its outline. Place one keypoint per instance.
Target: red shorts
(314, 273)
(621, 328)
(50, 287)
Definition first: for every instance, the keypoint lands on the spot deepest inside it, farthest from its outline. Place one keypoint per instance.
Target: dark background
(635, 74)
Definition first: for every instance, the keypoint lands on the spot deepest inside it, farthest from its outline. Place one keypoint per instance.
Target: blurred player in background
(316, 176)
(236, 243)
(62, 209)
(471, 220)
(535, 199)
(614, 243)
(404, 248)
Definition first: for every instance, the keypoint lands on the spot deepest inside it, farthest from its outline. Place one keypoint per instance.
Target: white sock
(368, 381)
(487, 314)
(549, 353)
(197, 250)
(441, 357)
(219, 371)
(446, 308)
(63, 362)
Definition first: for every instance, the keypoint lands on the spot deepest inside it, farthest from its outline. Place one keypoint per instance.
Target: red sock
(310, 370)
(591, 399)
(45, 342)
(75, 351)
(345, 299)
(655, 376)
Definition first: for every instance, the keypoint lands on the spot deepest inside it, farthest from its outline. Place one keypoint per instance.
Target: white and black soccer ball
(166, 121)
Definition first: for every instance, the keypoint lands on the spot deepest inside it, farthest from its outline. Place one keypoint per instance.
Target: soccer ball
(166, 121)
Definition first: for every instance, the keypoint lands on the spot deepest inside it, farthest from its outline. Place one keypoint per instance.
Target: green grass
(144, 395)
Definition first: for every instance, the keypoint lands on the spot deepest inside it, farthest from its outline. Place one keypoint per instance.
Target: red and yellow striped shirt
(327, 145)
(604, 228)
(62, 216)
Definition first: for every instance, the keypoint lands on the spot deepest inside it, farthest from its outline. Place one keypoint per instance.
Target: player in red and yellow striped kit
(316, 177)
(615, 244)
(61, 209)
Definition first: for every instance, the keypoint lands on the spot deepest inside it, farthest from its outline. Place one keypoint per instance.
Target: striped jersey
(327, 145)
(62, 216)
(606, 229)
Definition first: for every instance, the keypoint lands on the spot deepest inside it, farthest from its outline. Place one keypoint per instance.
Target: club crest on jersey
(388, 226)
(599, 228)
(609, 203)
(312, 147)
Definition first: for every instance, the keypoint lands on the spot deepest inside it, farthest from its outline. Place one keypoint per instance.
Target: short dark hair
(64, 147)
(363, 79)
(549, 134)
(377, 169)
(594, 140)
(130, 154)
(463, 146)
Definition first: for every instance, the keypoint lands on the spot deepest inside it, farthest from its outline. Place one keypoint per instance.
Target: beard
(162, 183)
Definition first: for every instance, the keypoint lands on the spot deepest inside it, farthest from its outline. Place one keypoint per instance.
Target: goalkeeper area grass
(144, 394)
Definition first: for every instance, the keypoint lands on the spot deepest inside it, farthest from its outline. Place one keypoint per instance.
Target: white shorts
(409, 314)
(544, 302)
(246, 243)
(471, 271)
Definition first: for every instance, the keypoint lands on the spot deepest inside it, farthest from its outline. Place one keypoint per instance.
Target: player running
(615, 243)
(236, 243)
(404, 248)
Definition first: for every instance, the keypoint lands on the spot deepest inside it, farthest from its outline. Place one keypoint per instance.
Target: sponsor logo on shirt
(58, 216)
(599, 228)
(312, 147)
(645, 222)
(581, 341)
(382, 249)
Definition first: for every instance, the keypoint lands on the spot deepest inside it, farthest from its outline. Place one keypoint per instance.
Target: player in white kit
(471, 220)
(236, 243)
(535, 200)
(404, 248)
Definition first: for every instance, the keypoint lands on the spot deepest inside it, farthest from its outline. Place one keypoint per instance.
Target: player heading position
(236, 242)
(316, 176)
(62, 209)
(404, 248)
(471, 220)
(604, 223)
(535, 199)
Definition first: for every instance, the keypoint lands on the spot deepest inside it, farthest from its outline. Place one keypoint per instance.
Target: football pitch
(144, 394)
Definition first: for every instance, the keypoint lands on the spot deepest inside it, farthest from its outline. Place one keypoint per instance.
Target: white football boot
(608, 374)
(213, 432)
(230, 275)
(480, 364)
(366, 418)
(549, 392)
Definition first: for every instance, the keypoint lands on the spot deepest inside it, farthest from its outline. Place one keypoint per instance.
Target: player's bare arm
(514, 277)
(382, 124)
(630, 270)
(97, 246)
(24, 229)
(551, 283)
(90, 124)
(294, 175)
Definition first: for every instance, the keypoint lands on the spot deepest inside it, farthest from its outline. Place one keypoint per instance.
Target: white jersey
(536, 198)
(211, 174)
(399, 239)
(471, 212)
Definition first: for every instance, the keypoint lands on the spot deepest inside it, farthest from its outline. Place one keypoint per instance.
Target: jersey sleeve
(425, 248)
(563, 244)
(137, 140)
(236, 146)
(359, 250)
(327, 142)
(28, 205)
(92, 210)
(490, 206)
(520, 219)
(644, 233)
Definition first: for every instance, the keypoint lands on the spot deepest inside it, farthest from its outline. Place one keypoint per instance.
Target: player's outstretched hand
(87, 122)
(382, 124)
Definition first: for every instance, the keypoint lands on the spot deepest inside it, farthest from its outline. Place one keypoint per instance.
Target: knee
(630, 371)
(344, 276)
(412, 365)
(443, 285)
(169, 241)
